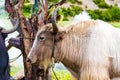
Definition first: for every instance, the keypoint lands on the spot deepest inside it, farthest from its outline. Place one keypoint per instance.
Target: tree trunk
(27, 31)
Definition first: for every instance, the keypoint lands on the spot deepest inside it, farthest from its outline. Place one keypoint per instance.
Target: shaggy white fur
(90, 49)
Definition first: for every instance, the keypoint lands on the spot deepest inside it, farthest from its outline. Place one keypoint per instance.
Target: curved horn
(53, 18)
(11, 30)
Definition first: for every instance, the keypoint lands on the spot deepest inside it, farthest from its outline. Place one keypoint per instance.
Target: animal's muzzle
(28, 60)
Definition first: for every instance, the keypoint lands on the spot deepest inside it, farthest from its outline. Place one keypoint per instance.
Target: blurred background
(106, 10)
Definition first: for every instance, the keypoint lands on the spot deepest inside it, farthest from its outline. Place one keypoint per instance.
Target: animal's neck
(57, 52)
(63, 57)
(63, 53)
(70, 51)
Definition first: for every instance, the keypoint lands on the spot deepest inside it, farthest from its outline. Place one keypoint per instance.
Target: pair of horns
(13, 29)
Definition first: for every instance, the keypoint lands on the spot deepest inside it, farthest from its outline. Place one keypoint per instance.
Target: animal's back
(94, 43)
(104, 46)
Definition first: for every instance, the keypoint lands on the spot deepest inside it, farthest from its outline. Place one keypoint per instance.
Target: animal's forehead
(45, 29)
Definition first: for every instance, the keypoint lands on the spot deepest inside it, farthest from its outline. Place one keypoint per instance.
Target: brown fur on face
(85, 49)
(42, 47)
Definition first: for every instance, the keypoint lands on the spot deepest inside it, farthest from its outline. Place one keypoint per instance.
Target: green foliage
(15, 70)
(76, 9)
(115, 13)
(26, 1)
(96, 1)
(101, 3)
(110, 14)
(116, 24)
(27, 9)
(72, 1)
(65, 12)
(70, 12)
(106, 16)
(61, 75)
(53, 1)
(96, 14)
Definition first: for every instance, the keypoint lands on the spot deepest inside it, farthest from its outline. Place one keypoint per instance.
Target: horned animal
(90, 50)
(4, 58)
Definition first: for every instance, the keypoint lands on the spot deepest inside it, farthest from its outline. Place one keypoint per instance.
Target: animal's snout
(32, 58)
(28, 60)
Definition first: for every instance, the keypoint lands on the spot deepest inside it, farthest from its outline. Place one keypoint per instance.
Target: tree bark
(27, 31)
(15, 11)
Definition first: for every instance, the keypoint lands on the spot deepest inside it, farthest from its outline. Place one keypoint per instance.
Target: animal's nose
(28, 60)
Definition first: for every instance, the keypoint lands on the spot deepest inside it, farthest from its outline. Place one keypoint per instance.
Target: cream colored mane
(91, 50)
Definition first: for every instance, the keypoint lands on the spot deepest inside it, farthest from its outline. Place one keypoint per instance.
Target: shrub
(115, 13)
(106, 16)
(27, 8)
(101, 3)
(72, 11)
(110, 14)
(96, 14)
(96, 1)
(75, 9)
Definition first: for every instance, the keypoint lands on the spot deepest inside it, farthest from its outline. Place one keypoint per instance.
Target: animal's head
(43, 46)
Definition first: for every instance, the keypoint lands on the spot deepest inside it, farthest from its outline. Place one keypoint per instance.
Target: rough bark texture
(27, 31)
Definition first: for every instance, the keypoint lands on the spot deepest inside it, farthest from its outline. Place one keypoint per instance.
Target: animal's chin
(45, 64)
(35, 63)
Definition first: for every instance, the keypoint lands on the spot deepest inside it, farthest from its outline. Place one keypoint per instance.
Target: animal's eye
(42, 38)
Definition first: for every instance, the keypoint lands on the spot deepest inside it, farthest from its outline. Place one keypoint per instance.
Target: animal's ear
(60, 35)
